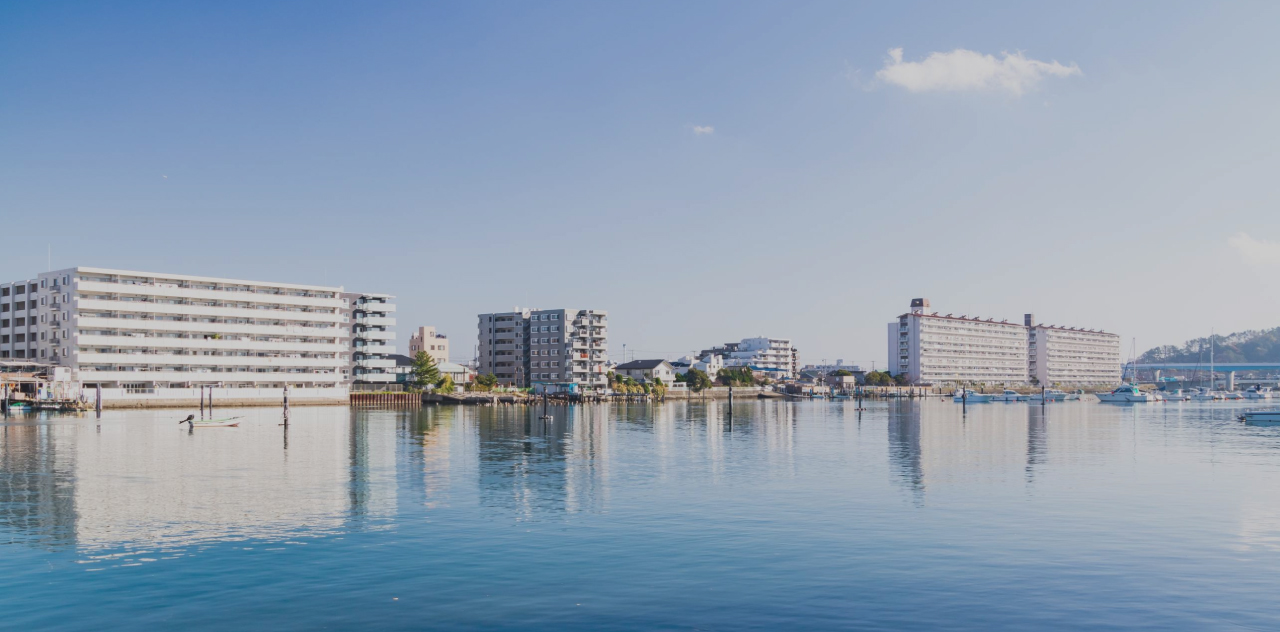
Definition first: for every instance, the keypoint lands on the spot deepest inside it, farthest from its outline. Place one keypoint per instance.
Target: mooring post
(286, 403)
(202, 402)
(1042, 396)
(964, 401)
(97, 399)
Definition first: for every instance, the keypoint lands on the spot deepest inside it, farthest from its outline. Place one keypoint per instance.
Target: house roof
(641, 364)
(402, 360)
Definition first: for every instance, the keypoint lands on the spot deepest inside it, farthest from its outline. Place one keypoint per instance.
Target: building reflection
(141, 481)
(37, 485)
(530, 465)
(933, 444)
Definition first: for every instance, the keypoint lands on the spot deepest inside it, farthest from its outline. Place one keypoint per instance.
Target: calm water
(642, 517)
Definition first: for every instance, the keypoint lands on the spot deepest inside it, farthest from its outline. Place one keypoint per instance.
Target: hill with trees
(1243, 346)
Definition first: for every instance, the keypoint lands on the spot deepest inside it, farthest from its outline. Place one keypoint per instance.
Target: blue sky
(705, 171)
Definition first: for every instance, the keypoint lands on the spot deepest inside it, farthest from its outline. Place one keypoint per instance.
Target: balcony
(376, 363)
(374, 334)
(375, 321)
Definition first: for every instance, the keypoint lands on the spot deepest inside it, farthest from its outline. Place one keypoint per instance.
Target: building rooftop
(640, 364)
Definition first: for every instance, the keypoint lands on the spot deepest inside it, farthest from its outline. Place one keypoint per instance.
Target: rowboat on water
(228, 422)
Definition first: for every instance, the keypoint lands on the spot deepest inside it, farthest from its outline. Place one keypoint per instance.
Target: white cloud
(1255, 251)
(703, 129)
(963, 69)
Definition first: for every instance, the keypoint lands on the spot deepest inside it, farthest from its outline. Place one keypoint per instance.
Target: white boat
(229, 422)
(1258, 392)
(1010, 396)
(1232, 395)
(971, 397)
(1052, 395)
(1127, 393)
(1261, 417)
(1176, 395)
(1206, 395)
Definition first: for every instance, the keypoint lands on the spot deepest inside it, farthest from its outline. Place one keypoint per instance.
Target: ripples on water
(638, 517)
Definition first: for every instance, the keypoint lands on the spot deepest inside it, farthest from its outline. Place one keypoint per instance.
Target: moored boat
(1258, 392)
(1126, 394)
(1010, 396)
(1261, 417)
(970, 396)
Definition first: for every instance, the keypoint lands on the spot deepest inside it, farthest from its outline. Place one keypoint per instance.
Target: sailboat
(1209, 394)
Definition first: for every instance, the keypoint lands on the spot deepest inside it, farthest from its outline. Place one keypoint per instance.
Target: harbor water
(686, 515)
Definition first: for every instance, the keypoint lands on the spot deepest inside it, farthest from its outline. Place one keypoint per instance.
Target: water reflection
(37, 497)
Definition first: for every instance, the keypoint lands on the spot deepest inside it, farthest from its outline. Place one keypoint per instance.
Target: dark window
(33, 288)
(19, 306)
(4, 340)
(19, 337)
(19, 322)
(4, 291)
(21, 289)
(20, 353)
(4, 323)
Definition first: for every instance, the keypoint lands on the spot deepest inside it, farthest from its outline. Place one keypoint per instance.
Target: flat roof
(188, 277)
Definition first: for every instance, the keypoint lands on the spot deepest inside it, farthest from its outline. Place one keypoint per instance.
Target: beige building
(1072, 356)
(946, 349)
(426, 339)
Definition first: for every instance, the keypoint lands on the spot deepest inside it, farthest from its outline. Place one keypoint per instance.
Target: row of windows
(21, 288)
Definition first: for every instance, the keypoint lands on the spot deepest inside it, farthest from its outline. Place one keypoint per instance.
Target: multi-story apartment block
(371, 318)
(934, 349)
(531, 347)
(18, 318)
(1072, 356)
(773, 354)
(434, 344)
(141, 330)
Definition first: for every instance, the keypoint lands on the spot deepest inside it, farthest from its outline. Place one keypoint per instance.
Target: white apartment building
(529, 347)
(775, 354)
(371, 318)
(140, 331)
(1072, 356)
(935, 349)
(426, 339)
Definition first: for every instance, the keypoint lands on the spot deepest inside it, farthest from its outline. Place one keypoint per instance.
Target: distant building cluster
(945, 349)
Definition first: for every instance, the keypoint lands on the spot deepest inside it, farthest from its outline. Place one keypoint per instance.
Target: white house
(647, 370)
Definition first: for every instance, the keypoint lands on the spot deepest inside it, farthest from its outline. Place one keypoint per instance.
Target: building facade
(525, 348)
(141, 331)
(775, 355)
(1071, 356)
(426, 339)
(371, 319)
(18, 318)
(943, 350)
(647, 371)
(953, 350)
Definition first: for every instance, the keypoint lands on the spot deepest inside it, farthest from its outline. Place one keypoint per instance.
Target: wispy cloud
(1256, 251)
(963, 69)
(703, 129)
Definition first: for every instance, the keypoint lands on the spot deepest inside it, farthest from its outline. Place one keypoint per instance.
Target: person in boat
(189, 420)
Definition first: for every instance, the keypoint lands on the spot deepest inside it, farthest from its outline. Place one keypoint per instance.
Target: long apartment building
(144, 330)
(371, 318)
(531, 347)
(1071, 355)
(931, 348)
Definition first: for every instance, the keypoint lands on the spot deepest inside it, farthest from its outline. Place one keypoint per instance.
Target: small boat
(1258, 392)
(1261, 417)
(1177, 395)
(1053, 395)
(971, 397)
(228, 422)
(1127, 393)
(1206, 395)
(1010, 396)
(1232, 395)
(19, 406)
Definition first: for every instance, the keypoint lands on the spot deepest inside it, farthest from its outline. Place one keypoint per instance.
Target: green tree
(445, 385)
(841, 373)
(486, 382)
(425, 372)
(697, 380)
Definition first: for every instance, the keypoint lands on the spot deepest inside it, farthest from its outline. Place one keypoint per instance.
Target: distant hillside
(1243, 346)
